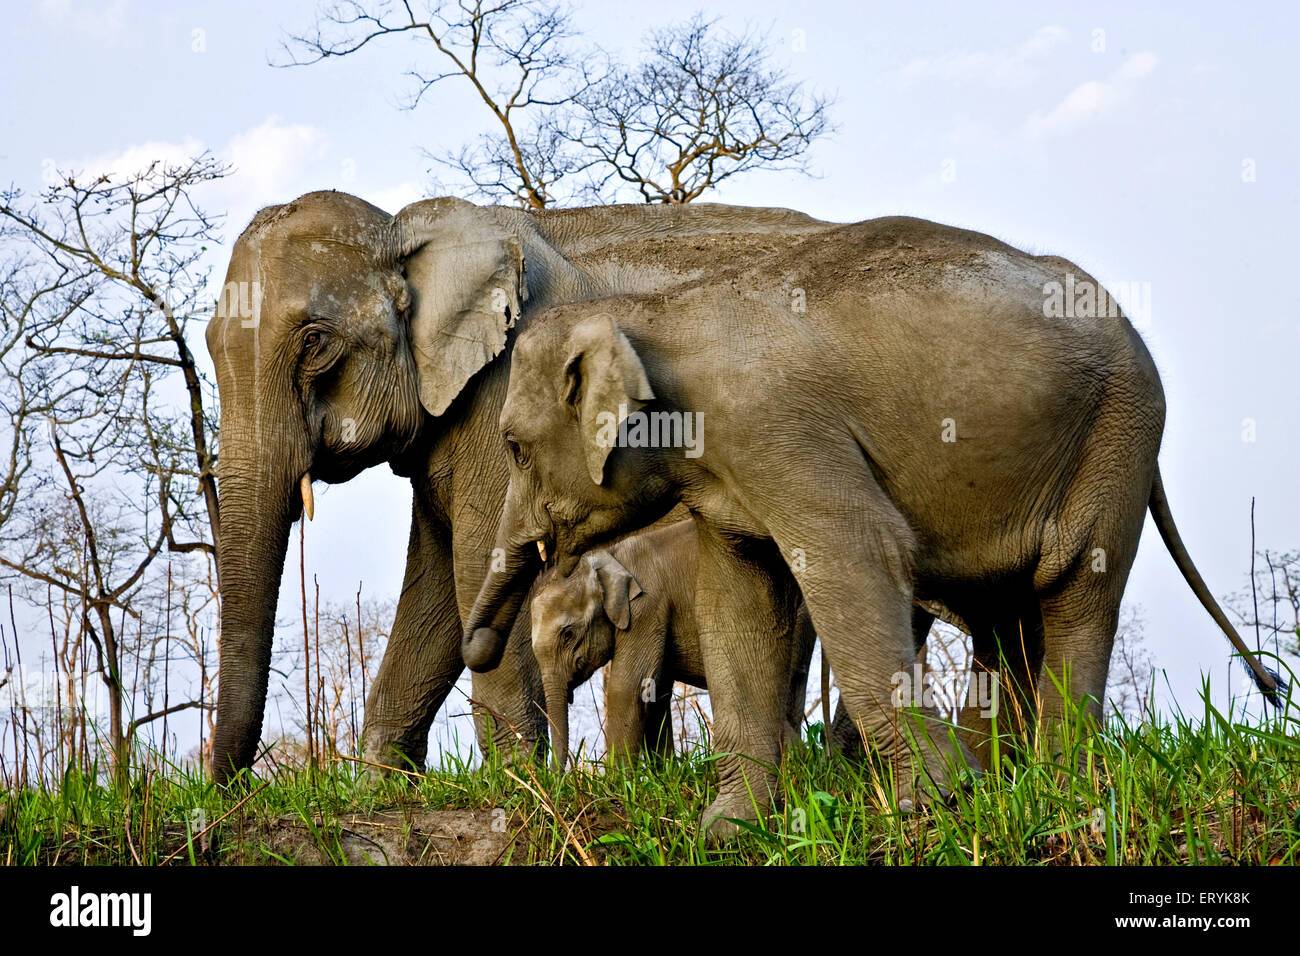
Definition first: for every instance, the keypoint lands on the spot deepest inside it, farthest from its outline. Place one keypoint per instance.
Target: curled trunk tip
(482, 649)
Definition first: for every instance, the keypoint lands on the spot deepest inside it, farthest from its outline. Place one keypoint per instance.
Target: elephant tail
(1269, 682)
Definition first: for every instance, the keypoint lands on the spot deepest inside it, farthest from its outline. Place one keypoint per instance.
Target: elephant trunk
(257, 513)
(515, 563)
(495, 609)
(557, 712)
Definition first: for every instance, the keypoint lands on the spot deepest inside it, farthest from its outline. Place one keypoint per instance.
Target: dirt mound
(392, 838)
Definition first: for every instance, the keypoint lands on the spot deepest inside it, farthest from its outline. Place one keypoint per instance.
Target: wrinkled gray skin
(632, 606)
(824, 455)
(366, 338)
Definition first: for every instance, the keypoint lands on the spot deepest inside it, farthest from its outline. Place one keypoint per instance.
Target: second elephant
(632, 606)
(921, 428)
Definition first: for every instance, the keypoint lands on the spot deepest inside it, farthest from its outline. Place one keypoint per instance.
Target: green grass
(1209, 790)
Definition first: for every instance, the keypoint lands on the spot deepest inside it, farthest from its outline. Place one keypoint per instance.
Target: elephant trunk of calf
(511, 570)
(494, 612)
(250, 558)
(557, 711)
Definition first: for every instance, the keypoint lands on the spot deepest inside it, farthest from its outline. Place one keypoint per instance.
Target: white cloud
(1092, 99)
(103, 18)
(1138, 66)
(268, 157)
(1085, 100)
(395, 197)
(273, 162)
(1013, 67)
(137, 158)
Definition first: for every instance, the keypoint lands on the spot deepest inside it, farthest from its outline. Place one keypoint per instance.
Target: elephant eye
(517, 453)
(311, 339)
(566, 634)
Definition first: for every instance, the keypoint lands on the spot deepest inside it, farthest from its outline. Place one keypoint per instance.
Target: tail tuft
(1278, 693)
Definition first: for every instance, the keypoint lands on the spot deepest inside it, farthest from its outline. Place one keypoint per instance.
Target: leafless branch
(516, 58)
(702, 106)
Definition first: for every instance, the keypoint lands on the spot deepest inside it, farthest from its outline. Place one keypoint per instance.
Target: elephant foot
(719, 820)
(931, 770)
(914, 794)
(521, 753)
(386, 757)
(791, 739)
(369, 777)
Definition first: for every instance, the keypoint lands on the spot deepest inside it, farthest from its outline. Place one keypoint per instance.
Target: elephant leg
(509, 701)
(843, 734)
(1006, 659)
(1079, 625)
(657, 737)
(626, 726)
(805, 639)
(856, 577)
(1080, 578)
(422, 661)
(745, 604)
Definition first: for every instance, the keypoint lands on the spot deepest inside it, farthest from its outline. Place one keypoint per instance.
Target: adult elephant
(345, 338)
(925, 426)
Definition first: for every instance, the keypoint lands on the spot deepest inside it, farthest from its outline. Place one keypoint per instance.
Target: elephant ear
(603, 381)
(618, 586)
(468, 277)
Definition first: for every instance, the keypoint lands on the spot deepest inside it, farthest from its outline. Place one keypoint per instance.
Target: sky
(1155, 147)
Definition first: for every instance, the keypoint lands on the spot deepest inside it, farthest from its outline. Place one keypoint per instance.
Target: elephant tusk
(541, 549)
(308, 502)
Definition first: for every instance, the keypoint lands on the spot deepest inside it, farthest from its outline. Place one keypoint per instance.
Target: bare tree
(31, 298)
(123, 468)
(1270, 604)
(175, 660)
(1129, 685)
(352, 640)
(347, 643)
(702, 106)
(131, 249)
(515, 56)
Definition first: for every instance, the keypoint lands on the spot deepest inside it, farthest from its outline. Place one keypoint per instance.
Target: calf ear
(467, 275)
(602, 382)
(619, 588)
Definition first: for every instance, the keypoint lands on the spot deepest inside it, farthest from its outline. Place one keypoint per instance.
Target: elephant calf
(632, 606)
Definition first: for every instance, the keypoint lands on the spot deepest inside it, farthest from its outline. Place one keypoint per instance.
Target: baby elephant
(632, 606)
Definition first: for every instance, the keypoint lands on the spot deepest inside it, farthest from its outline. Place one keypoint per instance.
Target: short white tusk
(541, 549)
(308, 502)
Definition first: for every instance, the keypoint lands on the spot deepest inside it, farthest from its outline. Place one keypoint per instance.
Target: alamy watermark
(241, 300)
(39, 691)
(1084, 299)
(922, 688)
(651, 430)
(77, 908)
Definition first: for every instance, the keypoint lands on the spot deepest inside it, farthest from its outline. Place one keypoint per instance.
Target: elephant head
(574, 621)
(574, 377)
(341, 335)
